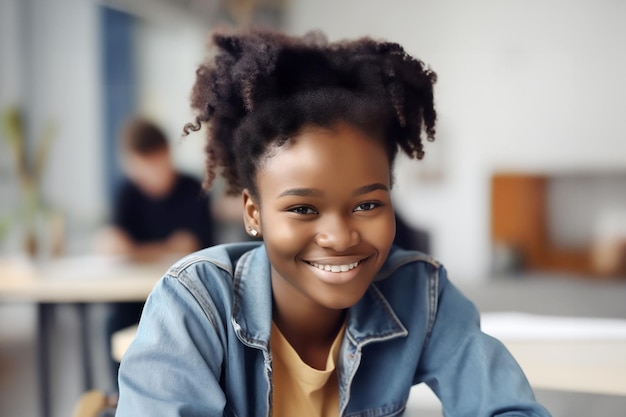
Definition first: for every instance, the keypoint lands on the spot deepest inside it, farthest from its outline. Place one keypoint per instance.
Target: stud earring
(253, 232)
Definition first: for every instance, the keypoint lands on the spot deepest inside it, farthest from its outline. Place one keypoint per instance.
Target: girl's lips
(334, 267)
(335, 273)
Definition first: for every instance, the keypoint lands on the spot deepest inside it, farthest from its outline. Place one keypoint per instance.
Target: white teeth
(335, 268)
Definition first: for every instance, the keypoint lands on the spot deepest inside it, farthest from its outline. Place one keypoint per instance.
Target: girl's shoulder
(223, 256)
(210, 275)
(212, 272)
(401, 262)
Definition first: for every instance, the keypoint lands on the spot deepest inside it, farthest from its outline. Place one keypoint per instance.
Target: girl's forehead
(340, 136)
(326, 156)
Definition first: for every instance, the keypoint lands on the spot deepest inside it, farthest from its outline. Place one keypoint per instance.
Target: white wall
(64, 87)
(10, 93)
(10, 79)
(523, 85)
(168, 53)
(52, 70)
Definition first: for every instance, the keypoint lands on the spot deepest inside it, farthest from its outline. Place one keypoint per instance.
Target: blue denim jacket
(202, 348)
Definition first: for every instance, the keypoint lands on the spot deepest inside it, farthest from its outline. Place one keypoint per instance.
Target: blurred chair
(95, 404)
(121, 340)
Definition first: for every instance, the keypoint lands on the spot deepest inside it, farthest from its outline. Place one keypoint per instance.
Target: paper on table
(524, 326)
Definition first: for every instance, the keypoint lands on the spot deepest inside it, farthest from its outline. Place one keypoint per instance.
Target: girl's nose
(337, 233)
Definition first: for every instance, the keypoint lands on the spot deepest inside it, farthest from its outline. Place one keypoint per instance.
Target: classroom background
(522, 195)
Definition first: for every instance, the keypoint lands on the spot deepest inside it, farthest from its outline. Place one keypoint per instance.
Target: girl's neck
(310, 329)
(315, 328)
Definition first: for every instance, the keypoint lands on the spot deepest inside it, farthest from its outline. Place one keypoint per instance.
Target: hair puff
(261, 87)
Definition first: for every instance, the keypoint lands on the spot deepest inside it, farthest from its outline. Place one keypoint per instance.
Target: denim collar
(370, 319)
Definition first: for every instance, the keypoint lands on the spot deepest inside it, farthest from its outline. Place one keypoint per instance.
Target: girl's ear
(251, 214)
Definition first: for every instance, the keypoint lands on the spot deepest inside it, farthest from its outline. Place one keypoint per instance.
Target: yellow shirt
(300, 390)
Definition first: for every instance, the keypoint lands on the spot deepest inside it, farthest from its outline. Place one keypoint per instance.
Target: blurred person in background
(159, 213)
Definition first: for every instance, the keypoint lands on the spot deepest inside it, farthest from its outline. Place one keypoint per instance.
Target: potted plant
(31, 213)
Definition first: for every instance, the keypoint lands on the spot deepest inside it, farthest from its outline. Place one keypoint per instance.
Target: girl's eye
(302, 210)
(366, 206)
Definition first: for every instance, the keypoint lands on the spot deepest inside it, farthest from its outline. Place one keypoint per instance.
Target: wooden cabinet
(519, 221)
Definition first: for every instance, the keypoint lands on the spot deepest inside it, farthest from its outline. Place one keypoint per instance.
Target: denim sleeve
(173, 366)
(472, 373)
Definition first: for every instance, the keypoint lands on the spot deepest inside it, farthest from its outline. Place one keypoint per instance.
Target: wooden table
(79, 281)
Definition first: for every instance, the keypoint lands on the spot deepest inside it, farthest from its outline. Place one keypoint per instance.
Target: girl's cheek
(288, 236)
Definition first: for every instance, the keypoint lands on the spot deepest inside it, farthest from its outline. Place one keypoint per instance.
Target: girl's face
(325, 215)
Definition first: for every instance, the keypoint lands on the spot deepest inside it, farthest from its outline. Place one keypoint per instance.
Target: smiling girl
(324, 317)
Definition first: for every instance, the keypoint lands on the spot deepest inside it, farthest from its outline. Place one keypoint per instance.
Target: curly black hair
(262, 87)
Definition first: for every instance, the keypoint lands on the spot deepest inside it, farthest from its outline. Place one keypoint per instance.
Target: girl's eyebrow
(302, 192)
(369, 188)
(314, 192)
